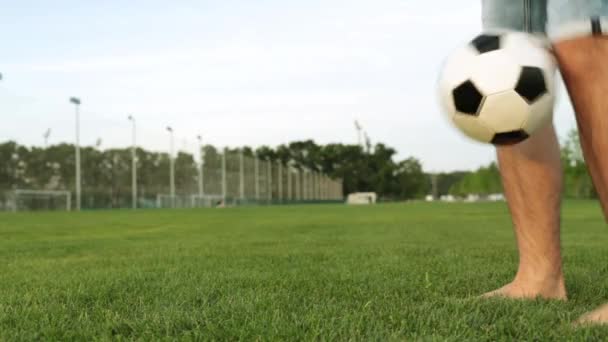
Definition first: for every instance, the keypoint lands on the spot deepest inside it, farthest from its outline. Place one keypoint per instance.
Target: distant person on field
(531, 171)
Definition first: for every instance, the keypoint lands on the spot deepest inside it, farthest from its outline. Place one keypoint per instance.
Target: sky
(238, 72)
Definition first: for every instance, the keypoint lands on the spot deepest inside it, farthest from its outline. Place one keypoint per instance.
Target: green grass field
(389, 272)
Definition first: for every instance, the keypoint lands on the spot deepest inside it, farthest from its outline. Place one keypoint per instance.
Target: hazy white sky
(239, 72)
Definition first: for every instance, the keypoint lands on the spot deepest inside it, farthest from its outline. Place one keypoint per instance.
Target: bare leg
(532, 180)
(583, 62)
(584, 67)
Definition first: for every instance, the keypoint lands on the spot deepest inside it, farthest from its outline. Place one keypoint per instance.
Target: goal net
(168, 201)
(192, 201)
(28, 200)
(206, 201)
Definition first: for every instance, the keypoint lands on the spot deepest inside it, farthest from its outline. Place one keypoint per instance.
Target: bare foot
(597, 316)
(520, 290)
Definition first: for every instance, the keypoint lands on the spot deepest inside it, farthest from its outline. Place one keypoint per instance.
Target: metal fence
(240, 179)
(218, 178)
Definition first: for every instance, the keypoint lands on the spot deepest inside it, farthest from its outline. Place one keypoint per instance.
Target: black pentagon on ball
(486, 43)
(467, 98)
(531, 84)
(510, 138)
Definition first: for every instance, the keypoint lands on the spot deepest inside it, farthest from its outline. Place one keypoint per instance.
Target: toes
(598, 316)
(501, 292)
(491, 294)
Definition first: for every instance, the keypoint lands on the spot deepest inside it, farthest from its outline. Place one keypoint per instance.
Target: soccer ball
(499, 88)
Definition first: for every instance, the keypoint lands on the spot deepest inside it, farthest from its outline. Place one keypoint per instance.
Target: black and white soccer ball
(499, 88)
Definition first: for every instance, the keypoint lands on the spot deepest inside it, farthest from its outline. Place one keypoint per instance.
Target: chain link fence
(41, 179)
(237, 178)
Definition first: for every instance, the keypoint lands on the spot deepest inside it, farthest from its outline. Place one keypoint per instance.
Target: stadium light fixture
(358, 128)
(133, 162)
(76, 102)
(368, 142)
(171, 167)
(46, 136)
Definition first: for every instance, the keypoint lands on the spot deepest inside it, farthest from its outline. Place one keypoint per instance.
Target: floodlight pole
(358, 128)
(200, 169)
(269, 177)
(171, 167)
(280, 181)
(288, 169)
(76, 102)
(241, 175)
(224, 187)
(308, 188)
(309, 184)
(298, 191)
(313, 183)
(133, 161)
(46, 136)
(321, 186)
(304, 184)
(256, 173)
(317, 186)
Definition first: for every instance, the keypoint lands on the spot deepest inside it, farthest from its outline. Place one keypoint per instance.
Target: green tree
(413, 182)
(484, 181)
(106, 174)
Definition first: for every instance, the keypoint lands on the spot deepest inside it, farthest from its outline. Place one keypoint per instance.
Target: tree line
(361, 169)
(108, 171)
(486, 180)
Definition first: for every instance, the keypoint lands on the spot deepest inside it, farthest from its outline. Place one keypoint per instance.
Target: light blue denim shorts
(559, 19)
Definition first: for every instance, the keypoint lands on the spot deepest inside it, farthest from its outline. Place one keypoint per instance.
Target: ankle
(550, 285)
(540, 279)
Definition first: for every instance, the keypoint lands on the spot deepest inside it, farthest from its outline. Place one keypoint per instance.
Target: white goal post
(41, 199)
